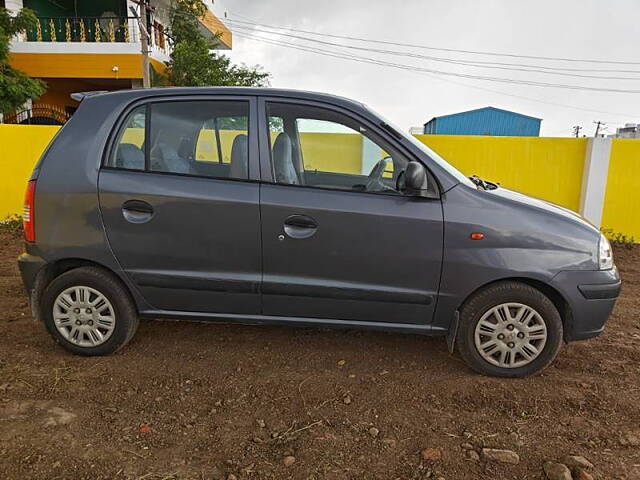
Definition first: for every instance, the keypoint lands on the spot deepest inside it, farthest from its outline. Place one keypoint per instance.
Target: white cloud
(568, 28)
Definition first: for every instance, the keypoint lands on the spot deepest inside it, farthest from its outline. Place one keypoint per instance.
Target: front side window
(441, 162)
(321, 148)
(203, 138)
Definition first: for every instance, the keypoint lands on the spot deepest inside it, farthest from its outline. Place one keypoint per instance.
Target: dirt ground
(208, 401)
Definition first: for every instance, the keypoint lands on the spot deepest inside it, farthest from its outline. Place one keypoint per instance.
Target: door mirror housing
(416, 180)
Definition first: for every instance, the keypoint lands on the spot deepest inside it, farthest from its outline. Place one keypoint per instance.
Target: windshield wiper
(483, 184)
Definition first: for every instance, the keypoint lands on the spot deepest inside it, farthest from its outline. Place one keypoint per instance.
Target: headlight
(605, 255)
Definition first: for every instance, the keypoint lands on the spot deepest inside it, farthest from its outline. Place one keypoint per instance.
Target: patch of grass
(12, 224)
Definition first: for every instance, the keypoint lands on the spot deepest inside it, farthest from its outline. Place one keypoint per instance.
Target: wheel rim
(510, 335)
(84, 316)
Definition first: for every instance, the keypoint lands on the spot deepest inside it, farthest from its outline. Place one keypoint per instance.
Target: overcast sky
(578, 29)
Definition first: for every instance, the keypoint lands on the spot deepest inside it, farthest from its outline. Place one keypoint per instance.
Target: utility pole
(145, 37)
(598, 125)
(576, 130)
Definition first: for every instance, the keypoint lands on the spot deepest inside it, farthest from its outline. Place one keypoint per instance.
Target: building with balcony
(81, 45)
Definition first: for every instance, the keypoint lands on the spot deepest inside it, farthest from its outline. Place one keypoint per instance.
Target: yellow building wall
(77, 65)
(59, 90)
(20, 149)
(135, 136)
(207, 150)
(344, 150)
(547, 168)
(621, 213)
(332, 152)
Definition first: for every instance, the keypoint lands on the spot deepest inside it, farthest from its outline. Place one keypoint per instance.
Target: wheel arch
(56, 268)
(558, 300)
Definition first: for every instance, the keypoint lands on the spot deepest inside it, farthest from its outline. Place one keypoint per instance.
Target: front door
(340, 240)
(179, 207)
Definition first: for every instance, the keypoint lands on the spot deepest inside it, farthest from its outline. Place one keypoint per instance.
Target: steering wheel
(374, 181)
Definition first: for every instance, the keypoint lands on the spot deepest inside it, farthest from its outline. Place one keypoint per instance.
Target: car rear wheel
(89, 312)
(509, 329)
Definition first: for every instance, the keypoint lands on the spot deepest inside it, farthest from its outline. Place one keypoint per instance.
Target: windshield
(457, 174)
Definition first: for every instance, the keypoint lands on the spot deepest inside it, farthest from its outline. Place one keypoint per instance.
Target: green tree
(192, 61)
(15, 87)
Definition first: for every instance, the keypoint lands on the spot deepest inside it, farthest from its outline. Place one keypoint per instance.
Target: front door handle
(300, 226)
(137, 211)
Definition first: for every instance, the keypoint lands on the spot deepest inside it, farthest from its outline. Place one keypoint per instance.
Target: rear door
(180, 206)
(340, 241)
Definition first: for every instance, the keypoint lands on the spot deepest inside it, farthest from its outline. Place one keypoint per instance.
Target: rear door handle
(137, 211)
(300, 226)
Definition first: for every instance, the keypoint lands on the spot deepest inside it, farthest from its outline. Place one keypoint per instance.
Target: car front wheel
(509, 329)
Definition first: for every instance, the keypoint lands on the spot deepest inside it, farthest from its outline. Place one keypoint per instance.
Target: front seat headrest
(239, 157)
(283, 160)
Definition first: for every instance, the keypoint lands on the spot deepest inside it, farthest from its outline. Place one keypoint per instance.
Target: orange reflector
(477, 236)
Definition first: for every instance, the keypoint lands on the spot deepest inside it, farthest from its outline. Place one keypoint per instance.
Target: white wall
(13, 5)
(370, 155)
(594, 179)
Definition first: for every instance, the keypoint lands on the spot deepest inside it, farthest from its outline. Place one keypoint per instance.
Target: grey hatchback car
(268, 206)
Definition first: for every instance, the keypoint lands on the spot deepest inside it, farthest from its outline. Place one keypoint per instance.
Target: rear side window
(129, 150)
(215, 140)
(202, 138)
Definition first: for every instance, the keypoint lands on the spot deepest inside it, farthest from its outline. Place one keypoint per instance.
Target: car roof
(254, 91)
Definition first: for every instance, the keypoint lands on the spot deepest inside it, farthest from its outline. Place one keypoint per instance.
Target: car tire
(509, 329)
(89, 312)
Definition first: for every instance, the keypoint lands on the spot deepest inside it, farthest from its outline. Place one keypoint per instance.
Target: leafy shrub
(12, 224)
(619, 239)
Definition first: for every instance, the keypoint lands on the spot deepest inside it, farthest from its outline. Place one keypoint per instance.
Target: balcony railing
(83, 29)
(93, 29)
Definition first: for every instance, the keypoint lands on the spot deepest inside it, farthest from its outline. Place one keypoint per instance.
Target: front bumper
(591, 296)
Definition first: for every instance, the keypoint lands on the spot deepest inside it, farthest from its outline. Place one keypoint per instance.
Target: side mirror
(416, 179)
